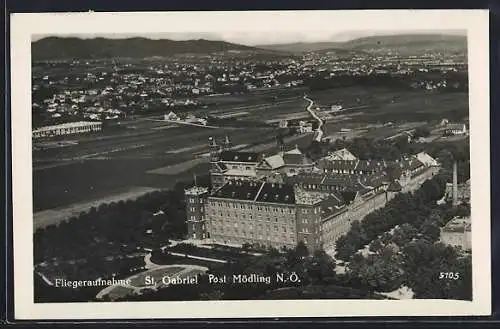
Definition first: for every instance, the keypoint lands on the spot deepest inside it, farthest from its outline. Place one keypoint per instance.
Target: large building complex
(285, 198)
(68, 128)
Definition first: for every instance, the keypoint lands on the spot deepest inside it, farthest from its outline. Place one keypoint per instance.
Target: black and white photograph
(317, 158)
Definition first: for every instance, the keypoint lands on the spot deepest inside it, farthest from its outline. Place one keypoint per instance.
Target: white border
(24, 25)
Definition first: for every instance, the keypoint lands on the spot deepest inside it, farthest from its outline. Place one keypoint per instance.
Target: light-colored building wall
(235, 221)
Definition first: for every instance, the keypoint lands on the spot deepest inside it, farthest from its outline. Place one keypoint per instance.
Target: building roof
(458, 224)
(394, 186)
(296, 159)
(274, 162)
(426, 159)
(233, 156)
(240, 190)
(256, 191)
(293, 157)
(239, 172)
(455, 126)
(342, 154)
(304, 197)
(68, 125)
(362, 183)
(331, 205)
(358, 165)
(296, 150)
(196, 190)
(276, 193)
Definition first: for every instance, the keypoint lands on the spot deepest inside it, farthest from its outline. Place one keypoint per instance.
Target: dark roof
(308, 178)
(361, 183)
(358, 165)
(371, 165)
(232, 156)
(277, 193)
(348, 196)
(394, 186)
(258, 191)
(332, 204)
(240, 190)
(337, 164)
(296, 159)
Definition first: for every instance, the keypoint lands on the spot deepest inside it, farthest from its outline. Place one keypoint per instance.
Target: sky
(259, 38)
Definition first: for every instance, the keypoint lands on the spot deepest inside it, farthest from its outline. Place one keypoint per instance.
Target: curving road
(319, 131)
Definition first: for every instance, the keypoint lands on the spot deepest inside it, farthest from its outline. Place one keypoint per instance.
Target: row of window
(252, 207)
(193, 209)
(192, 217)
(276, 244)
(202, 227)
(257, 227)
(243, 217)
(257, 235)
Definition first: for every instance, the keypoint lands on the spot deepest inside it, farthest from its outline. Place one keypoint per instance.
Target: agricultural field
(145, 153)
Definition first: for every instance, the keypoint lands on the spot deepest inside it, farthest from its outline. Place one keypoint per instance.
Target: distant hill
(301, 47)
(408, 43)
(67, 48)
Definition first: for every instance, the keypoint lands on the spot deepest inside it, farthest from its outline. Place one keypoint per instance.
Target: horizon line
(327, 39)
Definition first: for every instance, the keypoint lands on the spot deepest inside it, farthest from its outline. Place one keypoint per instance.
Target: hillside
(67, 48)
(409, 43)
(301, 47)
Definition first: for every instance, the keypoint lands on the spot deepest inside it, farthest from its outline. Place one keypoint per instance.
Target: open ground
(141, 154)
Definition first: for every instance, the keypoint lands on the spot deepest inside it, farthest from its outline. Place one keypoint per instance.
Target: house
(457, 233)
(342, 154)
(455, 129)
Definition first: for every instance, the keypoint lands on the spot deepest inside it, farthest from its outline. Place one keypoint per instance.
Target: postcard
(189, 165)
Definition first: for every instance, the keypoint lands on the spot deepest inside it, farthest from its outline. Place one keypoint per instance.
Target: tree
(421, 132)
(423, 263)
(430, 230)
(404, 234)
(376, 245)
(321, 268)
(301, 250)
(377, 272)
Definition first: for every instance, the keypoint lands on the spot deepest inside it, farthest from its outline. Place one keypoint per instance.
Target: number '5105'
(449, 275)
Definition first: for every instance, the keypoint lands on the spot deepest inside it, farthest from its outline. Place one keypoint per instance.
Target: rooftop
(257, 192)
(196, 190)
(233, 156)
(458, 224)
(68, 125)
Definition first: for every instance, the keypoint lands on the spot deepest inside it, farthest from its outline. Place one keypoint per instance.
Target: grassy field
(384, 105)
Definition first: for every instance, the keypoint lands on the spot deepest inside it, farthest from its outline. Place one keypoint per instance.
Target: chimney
(455, 184)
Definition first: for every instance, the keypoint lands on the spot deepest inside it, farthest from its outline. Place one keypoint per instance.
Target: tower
(196, 220)
(214, 149)
(227, 143)
(215, 171)
(455, 183)
(280, 143)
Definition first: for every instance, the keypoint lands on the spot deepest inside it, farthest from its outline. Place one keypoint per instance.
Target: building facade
(457, 233)
(315, 204)
(196, 213)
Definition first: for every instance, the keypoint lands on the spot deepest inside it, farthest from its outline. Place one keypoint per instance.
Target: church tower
(227, 144)
(214, 150)
(216, 171)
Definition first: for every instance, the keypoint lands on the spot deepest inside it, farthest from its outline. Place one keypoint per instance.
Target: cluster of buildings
(280, 199)
(119, 87)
